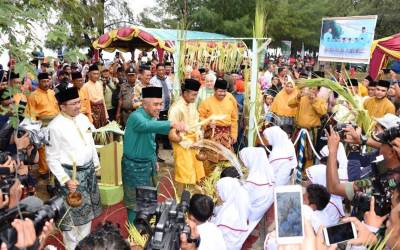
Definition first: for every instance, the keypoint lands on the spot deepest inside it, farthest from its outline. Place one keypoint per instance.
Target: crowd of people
(310, 136)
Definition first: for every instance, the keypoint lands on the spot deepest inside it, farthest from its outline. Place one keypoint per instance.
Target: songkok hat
(202, 70)
(13, 75)
(42, 76)
(167, 64)
(221, 84)
(191, 84)
(317, 74)
(152, 92)
(131, 71)
(383, 83)
(45, 64)
(372, 84)
(67, 94)
(353, 82)
(369, 78)
(76, 75)
(120, 69)
(93, 67)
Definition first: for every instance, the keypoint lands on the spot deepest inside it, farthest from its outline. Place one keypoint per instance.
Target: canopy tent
(129, 38)
(381, 51)
(222, 52)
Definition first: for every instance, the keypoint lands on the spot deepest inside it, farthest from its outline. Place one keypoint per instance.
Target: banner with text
(347, 39)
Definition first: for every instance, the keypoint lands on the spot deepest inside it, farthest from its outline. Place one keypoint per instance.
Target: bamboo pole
(253, 93)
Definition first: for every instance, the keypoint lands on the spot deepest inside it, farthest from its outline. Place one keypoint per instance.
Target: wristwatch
(363, 139)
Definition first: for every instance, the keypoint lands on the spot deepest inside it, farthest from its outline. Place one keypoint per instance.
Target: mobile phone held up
(289, 214)
(339, 233)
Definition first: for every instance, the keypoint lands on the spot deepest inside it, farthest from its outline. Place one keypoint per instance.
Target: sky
(137, 6)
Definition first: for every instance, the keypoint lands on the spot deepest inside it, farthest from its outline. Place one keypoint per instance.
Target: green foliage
(297, 21)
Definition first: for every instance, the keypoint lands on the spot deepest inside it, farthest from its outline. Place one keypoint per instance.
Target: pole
(176, 86)
(253, 94)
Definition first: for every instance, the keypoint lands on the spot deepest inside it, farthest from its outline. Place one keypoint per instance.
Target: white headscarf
(256, 160)
(334, 210)
(260, 181)
(283, 155)
(341, 158)
(232, 216)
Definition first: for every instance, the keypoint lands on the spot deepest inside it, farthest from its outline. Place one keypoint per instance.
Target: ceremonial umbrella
(381, 51)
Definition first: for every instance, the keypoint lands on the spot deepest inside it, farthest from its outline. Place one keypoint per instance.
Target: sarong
(136, 172)
(99, 115)
(309, 157)
(91, 205)
(188, 170)
(221, 135)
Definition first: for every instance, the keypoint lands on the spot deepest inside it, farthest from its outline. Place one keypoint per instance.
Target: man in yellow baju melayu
(188, 170)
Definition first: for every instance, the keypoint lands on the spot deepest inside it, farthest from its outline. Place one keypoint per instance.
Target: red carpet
(117, 215)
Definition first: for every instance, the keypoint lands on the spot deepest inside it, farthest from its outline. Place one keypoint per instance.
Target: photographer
(200, 210)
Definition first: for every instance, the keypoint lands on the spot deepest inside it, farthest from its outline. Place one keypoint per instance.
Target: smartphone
(117, 54)
(289, 214)
(339, 233)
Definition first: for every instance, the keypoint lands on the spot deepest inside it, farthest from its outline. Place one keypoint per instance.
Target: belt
(137, 160)
(79, 168)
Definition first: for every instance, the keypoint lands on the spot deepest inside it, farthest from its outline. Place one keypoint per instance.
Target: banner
(286, 47)
(347, 39)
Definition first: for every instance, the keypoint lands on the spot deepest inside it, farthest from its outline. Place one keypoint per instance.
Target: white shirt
(155, 82)
(70, 140)
(210, 237)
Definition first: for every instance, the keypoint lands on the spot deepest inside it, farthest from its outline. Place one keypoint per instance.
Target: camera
(387, 135)
(4, 157)
(8, 181)
(339, 128)
(170, 219)
(380, 185)
(34, 209)
(38, 135)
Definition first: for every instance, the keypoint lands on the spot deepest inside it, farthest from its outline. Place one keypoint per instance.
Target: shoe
(159, 159)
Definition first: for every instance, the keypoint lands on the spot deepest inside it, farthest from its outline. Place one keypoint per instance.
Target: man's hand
(48, 228)
(15, 193)
(3, 200)
(352, 136)
(72, 185)
(396, 145)
(333, 140)
(371, 218)
(26, 235)
(364, 236)
(22, 142)
(10, 163)
(194, 234)
(179, 126)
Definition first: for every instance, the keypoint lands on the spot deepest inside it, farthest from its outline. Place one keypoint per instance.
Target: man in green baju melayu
(139, 161)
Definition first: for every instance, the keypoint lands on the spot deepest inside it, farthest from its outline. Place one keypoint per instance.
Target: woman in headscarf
(260, 181)
(283, 155)
(232, 215)
(207, 90)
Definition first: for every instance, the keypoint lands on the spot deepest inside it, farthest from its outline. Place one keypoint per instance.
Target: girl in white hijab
(260, 181)
(233, 214)
(283, 155)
